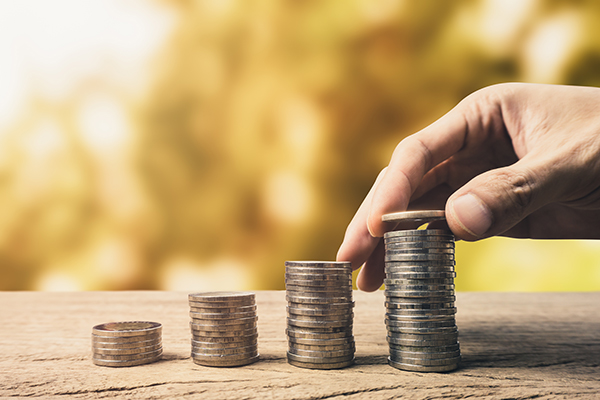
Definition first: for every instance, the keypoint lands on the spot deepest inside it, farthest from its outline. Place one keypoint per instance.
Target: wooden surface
(537, 345)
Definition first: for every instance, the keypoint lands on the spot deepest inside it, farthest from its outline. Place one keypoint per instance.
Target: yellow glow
(551, 45)
(288, 197)
(184, 274)
(58, 281)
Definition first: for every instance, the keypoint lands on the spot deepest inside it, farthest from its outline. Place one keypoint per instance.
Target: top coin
(319, 264)
(127, 328)
(209, 297)
(424, 216)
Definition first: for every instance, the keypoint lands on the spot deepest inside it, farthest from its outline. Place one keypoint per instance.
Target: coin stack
(319, 314)
(224, 331)
(419, 290)
(125, 344)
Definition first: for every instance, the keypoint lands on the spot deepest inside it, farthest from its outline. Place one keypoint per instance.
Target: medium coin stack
(419, 290)
(319, 314)
(125, 344)
(224, 331)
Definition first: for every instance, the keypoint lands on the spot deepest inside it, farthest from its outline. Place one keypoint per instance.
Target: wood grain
(536, 345)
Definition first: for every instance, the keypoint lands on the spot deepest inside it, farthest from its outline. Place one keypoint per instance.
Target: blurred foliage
(209, 141)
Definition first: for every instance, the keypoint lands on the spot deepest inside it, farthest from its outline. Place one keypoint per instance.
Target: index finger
(412, 159)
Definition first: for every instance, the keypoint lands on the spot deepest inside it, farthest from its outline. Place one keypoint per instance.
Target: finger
(371, 275)
(358, 244)
(412, 159)
(493, 202)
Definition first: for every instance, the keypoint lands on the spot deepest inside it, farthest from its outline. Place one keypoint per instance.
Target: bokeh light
(197, 145)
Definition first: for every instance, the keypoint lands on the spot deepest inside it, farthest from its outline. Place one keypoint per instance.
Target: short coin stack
(224, 331)
(319, 314)
(419, 290)
(125, 344)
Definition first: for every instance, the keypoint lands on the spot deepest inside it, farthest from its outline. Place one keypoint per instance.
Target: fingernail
(472, 214)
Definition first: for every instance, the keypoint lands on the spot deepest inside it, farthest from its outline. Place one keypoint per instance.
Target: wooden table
(535, 345)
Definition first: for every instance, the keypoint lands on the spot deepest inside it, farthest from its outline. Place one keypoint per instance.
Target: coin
(423, 306)
(334, 365)
(223, 333)
(129, 351)
(127, 357)
(425, 356)
(319, 264)
(323, 307)
(242, 342)
(219, 362)
(327, 317)
(317, 312)
(228, 357)
(423, 216)
(319, 283)
(219, 297)
(317, 300)
(125, 363)
(415, 293)
(411, 269)
(225, 330)
(421, 368)
(223, 310)
(420, 275)
(211, 351)
(450, 321)
(446, 244)
(127, 329)
(302, 333)
(419, 257)
(317, 347)
(222, 316)
(420, 342)
(220, 322)
(344, 276)
(391, 251)
(324, 326)
(441, 349)
(319, 360)
(319, 291)
(234, 337)
(419, 232)
(335, 354)
(447, 281)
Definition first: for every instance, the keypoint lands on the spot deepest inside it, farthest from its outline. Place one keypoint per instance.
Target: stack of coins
(224, 331)
(419, 290)
(319, 314)
(125, 344)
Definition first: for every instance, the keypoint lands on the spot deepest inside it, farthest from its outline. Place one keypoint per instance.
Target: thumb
(493, 202)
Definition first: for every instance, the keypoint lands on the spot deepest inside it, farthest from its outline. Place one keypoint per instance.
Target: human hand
(519, 160)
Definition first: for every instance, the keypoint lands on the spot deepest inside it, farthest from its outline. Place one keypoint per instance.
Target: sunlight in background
(156, 144)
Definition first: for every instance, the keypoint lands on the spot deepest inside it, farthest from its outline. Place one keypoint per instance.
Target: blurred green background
(196, 145)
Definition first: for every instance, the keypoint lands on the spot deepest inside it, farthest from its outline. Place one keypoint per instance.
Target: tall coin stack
(125, 344)
(224, 331)
(319, 314)
(419, 290)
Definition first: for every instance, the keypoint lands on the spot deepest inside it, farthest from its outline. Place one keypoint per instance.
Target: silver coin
(445, 323)
(225, 310)
(322, 344)
(399, 302)
(418, 232)
(201, 333)
(317, 300)
(417, 240)
(420, 275)
(325, 278)
(220, 297)
(318, 297)
(336, 317)
(394, 251)
(319, 292)
(418, 257)
(421, 368)
(310, 312)
(411, 269)
(222, 316)
(401, 312)
(399, 355)
(228, 357)
(322, 354)
(403, 244)
(126, 357)
(319, 264)
(242, 342)
(422, 216)
(319, 283)
(126, 346)
(418, 331)
(127, 329)
(126, 363)
(233, 337)
(220, 304)
(322, 307)
(425, 362)
(222, 329)
(319, 360)
(418, 288)
(424, 306)
(448, 281)
(303, 333)
(401, 340)
(211, 351)
(217, 362)
(133, 341)
(322, 366)
(425, 349)
(223, 322)
(299, 346)
(414, 293)
(129, 351)
(324, 325)
(427, 336)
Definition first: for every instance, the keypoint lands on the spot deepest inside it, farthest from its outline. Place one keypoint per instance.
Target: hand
(519, 160)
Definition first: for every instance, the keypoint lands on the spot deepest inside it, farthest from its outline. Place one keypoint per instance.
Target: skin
(526, 158)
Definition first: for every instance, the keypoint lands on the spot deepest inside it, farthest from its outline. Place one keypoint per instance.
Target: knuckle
(519, 190)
